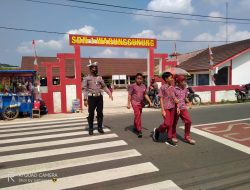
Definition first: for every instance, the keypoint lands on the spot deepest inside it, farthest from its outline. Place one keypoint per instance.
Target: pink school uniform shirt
(167, 92)
(181, 94)
(137, 93)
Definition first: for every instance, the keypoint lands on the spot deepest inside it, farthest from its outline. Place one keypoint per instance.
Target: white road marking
(24, 139)
(59, 151)
(42, 127)
(219, 139)
(42, 131)
(36, 168)
(33, 121)
(90, 178)
(205, 124)
(164, 185)
(57, 142)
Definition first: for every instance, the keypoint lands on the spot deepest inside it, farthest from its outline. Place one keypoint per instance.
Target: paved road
(61, 150)
(210, 164)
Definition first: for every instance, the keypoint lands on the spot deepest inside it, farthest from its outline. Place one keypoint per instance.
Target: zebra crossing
(60, 154)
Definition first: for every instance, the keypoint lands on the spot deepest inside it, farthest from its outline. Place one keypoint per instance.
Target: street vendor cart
(16, 92)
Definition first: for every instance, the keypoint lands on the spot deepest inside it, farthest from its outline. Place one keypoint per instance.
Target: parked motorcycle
(242, 93)
(154, 99)
(43, 108)
(192, 97)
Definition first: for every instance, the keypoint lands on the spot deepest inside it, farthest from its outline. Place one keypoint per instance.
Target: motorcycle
(242, 93)
(43, 108)
(154, 98)
(192, 97)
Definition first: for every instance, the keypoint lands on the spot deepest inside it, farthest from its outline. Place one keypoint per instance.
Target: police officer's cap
(92, 64)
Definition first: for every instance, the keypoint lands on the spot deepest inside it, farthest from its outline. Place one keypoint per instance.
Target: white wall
(57, 102)
(226, 95)
(205, 96)
(241, 68)
(70, 96)
(120, 98)
(43, 89)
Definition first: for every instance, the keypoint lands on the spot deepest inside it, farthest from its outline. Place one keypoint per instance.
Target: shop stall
(16, 92)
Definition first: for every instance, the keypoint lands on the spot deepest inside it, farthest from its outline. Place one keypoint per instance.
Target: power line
(131, 13)
(60, 33)
(194, 41)
(150, 10)
(31, 30)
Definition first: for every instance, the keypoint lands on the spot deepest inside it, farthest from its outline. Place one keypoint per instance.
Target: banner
(83, 40)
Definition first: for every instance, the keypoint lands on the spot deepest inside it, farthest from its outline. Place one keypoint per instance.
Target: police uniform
(93, 87)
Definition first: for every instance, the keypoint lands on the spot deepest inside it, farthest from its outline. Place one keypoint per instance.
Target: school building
(231, 64)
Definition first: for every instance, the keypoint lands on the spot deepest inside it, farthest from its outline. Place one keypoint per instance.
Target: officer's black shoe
(139, 134)
(91, 132)
(100, 130)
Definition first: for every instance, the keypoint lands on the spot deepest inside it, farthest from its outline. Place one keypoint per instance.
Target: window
(56, 81)
(107, 80)
(43, 81)
(122, 81)
(190, 80)
(119, 79)
(202, 79)
(222, 77)
(70, 69)
(132, 79)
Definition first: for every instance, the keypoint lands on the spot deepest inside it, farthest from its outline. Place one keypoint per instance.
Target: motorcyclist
(153, 88)
(247, 88)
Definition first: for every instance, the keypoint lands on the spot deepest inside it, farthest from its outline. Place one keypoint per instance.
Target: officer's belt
(94, 94)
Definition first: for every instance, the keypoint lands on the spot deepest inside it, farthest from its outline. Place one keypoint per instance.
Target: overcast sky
(63, 19)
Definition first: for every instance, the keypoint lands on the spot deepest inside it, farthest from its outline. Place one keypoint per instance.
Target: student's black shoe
(135, 130)
(171, 142)
(139, 134)
(100, 130)
(156, 134)
(91, 132)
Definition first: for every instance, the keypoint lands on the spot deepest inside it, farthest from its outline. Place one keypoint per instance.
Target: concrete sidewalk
(84, 114)
(115, 107)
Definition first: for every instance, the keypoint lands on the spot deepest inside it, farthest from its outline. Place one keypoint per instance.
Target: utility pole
(226, 22)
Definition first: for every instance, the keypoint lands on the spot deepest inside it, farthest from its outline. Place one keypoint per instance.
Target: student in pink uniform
(168, 108)
(136, 93)
(181, 93)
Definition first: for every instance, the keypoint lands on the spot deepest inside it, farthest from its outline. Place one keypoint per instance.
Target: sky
(79, 18)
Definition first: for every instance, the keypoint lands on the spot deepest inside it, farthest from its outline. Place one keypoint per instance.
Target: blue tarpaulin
(18, 71)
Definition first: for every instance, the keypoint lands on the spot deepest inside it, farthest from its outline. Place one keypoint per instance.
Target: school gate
(59, 97)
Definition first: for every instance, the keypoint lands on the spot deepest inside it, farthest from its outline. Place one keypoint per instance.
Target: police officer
(93, 86)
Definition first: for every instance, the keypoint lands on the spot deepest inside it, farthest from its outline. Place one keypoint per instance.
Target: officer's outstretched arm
(85, 91)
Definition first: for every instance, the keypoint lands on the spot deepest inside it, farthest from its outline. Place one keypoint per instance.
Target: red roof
(106, 66)
(193, 61)
(220, 54)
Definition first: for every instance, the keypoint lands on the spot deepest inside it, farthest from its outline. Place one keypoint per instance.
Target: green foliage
(1, 87)
(8, 68)
(4, 66)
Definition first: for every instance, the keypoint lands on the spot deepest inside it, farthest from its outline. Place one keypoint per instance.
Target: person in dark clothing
(93, 86)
